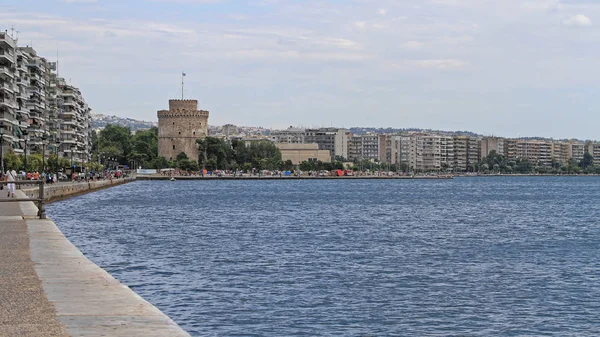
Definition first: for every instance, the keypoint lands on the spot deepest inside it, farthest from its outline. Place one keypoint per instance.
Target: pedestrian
(12, 176)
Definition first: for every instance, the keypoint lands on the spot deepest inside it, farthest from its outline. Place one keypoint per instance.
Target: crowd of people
(11, 176)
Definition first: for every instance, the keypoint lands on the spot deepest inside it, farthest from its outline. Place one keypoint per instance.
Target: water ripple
(477, 256)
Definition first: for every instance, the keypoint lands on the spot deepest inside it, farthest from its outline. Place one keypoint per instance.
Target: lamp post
(56, 150)
(44, 153)
(1, 154)
(25, 137)
(72, 168)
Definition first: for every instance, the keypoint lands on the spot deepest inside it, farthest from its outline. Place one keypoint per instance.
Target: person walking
(11, 176)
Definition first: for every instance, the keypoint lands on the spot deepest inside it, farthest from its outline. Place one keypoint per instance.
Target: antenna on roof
(56, 58)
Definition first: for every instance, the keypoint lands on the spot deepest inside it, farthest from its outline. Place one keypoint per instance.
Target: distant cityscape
(40, 112)
(413, 149)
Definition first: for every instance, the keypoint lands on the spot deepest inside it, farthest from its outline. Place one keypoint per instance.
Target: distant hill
(99, 121)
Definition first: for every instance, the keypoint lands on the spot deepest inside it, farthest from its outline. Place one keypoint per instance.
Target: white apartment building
(370, 146)
(38, 110)
(290, 135)
(10, 128)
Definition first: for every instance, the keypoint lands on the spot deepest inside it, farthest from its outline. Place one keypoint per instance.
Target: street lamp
(72, 168)
(44, 152)
(1, 154)
(25, 137)
(56, 150)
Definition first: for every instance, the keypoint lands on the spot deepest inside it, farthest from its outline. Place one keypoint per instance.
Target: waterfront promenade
(49, 288)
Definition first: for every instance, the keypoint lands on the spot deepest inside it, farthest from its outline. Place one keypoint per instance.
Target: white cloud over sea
(513, 68)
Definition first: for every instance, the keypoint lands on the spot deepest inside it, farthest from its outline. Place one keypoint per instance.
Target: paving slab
(49, 288)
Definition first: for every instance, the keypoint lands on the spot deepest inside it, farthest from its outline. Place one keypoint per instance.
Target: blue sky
(508, 68)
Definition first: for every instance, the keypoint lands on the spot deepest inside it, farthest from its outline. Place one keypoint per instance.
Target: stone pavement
(24, 308)
(49, 288)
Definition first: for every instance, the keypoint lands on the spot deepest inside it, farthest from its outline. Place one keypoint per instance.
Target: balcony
(7, 87)
(36, 63)
(7, 55)
(6, 72)
(9, 103)
(7, 41)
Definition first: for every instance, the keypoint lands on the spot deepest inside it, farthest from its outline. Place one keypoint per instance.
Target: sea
(469, 256)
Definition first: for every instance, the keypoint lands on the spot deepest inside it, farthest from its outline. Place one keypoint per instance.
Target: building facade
(290, 135)
(39, 112)
(180, 127)
(298, 153)
(332, 139)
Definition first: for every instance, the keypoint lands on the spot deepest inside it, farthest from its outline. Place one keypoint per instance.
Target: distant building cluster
(37, 108)
(422, 151)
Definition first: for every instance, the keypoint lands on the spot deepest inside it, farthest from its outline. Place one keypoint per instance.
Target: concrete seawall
(76, 297)
(62, 191)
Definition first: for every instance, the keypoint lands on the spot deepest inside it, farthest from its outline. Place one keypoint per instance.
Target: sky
(505, 68)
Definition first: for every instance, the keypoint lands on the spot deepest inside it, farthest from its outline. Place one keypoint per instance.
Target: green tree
(116, 141)
(160, 163)
(587, 160)
(12, 161)
(181, 156)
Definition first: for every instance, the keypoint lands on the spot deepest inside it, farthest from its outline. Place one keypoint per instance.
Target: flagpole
(182, 74)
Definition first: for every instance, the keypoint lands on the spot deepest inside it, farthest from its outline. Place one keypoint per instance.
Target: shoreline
(141, 177)
(84, 299)
(440, 177)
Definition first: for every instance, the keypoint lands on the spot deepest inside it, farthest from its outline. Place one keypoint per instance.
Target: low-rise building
(298, 153)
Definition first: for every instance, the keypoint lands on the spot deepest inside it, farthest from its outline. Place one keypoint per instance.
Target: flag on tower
(182, 74)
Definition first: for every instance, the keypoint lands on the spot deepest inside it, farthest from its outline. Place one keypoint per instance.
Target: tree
(306, 166)
(287, 165)
(11, 161)
(587, 160)
(160, 163)
(181, 156)
(116, 139)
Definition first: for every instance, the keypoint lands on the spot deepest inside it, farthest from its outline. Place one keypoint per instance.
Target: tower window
(194, 133)
(179, 132)
(173, 147)
(173, 123)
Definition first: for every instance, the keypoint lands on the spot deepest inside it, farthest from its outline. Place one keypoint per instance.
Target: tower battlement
(183, 104)
(180, 127)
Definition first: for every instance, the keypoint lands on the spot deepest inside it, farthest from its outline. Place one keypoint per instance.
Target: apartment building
(370, 146)
(594, 149)
(466, 153)
(561, 152)
(38, 110)
(333, 139)
(10, 126)
(489, 144)
(538, 152)
(446, 152)
(290, 135)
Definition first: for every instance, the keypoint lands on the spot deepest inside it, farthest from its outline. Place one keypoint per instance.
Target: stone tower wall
(179, 127)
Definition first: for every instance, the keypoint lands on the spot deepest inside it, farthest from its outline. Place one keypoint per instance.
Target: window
(173, 147)
(179, 132)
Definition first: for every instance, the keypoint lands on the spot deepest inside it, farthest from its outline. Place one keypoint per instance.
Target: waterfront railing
(40, 200)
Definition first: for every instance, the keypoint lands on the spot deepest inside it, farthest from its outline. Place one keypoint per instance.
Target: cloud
(81, 1)
(433, 64)
(412, 45)
(578, 20)
(382, 11)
